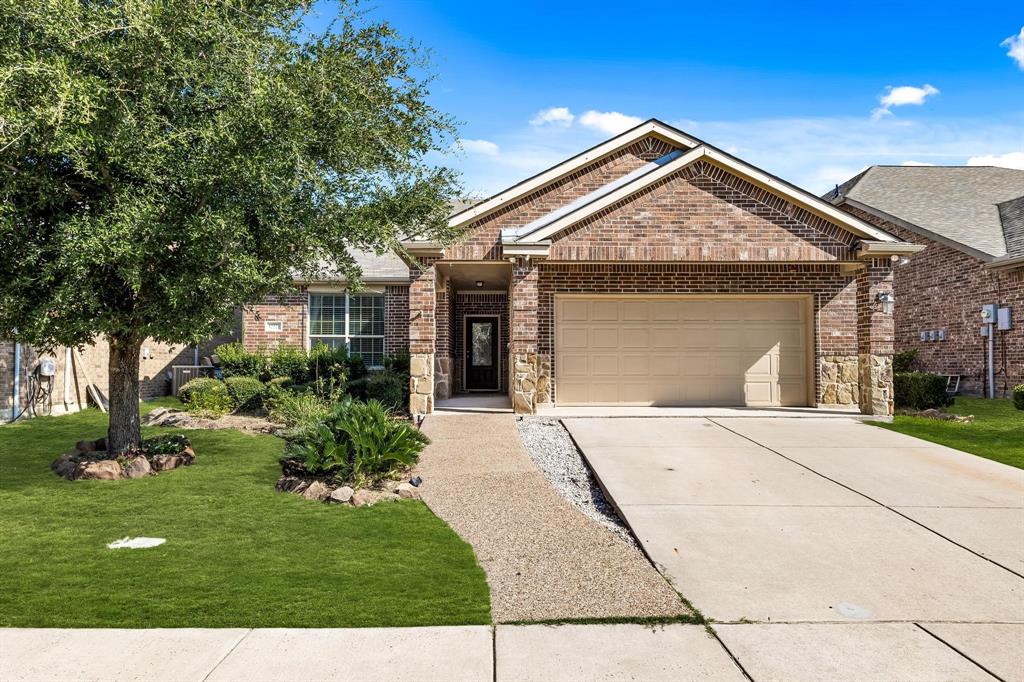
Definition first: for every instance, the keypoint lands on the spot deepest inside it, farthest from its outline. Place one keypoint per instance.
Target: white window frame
(347, 336)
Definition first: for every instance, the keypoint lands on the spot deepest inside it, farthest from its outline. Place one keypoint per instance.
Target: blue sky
(813, 92)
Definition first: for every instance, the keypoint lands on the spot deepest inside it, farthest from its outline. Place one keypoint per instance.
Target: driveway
(819, 521)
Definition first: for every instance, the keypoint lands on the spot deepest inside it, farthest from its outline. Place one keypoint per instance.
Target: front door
(481, 354)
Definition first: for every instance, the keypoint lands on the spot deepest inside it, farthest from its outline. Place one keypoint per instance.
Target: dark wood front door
(481, 354)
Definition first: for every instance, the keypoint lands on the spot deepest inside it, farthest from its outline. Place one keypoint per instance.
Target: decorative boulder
(291, 484)
(367, 498)
(342, 494)
(406, 491)
(138, 468)
(167, 462)
(66, 465)
(316, 491)
(101, 470)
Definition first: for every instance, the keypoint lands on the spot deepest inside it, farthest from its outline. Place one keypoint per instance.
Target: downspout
(17, 381)
(67, 380)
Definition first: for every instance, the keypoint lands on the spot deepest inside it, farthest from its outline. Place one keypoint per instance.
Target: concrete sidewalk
(855, 651)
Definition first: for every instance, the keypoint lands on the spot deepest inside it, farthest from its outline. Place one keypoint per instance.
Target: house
(970, 221)
(652, 269)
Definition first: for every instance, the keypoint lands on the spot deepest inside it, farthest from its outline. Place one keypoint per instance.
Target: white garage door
(681, 351)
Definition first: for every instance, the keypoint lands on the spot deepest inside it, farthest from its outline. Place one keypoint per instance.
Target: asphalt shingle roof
(978, 206)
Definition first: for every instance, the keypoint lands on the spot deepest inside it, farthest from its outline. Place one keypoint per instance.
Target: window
(353, 320)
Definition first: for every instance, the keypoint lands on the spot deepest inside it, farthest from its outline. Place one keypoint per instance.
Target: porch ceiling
(464, 276)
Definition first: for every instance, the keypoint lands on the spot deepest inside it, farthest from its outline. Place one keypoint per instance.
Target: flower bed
(90, 460)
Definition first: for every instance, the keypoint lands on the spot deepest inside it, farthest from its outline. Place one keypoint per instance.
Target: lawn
(238, 554)
(997, 432)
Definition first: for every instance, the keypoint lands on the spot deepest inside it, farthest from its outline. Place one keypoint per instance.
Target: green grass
(238, 554)
(996, 433)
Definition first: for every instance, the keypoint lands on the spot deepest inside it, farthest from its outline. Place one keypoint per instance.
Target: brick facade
(943, 288)
(289, 311)
(89, 365)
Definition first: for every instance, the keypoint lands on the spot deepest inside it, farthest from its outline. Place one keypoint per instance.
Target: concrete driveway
(819, 521)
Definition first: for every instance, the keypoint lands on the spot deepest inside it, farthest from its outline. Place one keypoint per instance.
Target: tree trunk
(123, 432)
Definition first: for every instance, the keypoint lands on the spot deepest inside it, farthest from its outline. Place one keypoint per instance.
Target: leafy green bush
(397, 362)
(187, 390)
(359, 388)
(236, 361)
(293, 409)
(319, 449)
(278, 384)
(326, 363)
(1018, 396)
(206, 397)
(378, 443)
(920, 390)
(246, 392)
(902, 361)
(169, 444)
(290, 362)
(356, 367)
(389, 388)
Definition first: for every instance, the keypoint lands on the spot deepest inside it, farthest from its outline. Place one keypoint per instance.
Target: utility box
(1004, 319)
(182, 374)
(988, 313)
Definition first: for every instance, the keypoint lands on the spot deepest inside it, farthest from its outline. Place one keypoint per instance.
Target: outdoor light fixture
(886, 299)
(479, 283)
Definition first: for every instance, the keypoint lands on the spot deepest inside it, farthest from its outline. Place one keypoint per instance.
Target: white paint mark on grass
(135, 543)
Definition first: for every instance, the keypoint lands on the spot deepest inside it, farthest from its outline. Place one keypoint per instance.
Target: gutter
(1005, 263)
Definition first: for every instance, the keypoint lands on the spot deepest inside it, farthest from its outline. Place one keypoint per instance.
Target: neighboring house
(971, 222)
(74, 370)
(652, 269)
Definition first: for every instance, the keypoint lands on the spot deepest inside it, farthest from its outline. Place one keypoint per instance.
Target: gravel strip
(553, 451)
(544, 559)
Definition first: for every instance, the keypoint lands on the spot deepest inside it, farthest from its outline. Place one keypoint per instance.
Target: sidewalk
(532, 653)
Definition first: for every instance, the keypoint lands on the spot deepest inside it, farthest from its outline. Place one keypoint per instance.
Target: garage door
(681, 351)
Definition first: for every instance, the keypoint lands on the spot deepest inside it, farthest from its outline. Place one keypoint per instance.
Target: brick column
(875, 331)
(422, 336)
(529, 372)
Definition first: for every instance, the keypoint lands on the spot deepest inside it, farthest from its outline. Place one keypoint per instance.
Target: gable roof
(977, 209)
(632, 183)
(651, 127)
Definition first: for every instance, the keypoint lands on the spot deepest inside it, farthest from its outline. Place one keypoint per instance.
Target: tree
(162, 163)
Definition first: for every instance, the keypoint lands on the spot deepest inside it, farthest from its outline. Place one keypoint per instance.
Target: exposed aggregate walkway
(543, 558)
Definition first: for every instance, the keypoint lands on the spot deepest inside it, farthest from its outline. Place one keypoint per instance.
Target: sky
(812, 92)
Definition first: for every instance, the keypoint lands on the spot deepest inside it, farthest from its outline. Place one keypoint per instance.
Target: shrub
(291, 362)
(359, 389)
(920, 390)
(236, 361)
(170, 444)
(389, 388)
(326, 363)
(245, 392)
(206, 397)
(278, 384)
(320, 450)
(397, 362)
(379, 444)
(1018, 396)
(356, 367)
(902, 361)
(293, 409)
(187, 390)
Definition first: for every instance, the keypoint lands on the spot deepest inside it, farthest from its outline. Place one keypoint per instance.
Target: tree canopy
(163, 162)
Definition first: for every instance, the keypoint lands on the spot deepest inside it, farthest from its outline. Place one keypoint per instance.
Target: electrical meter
(988, 313)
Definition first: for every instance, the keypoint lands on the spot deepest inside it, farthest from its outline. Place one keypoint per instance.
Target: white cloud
(900, 96)
(482, 147)
(610, 122)
(1016, 45)
(1007, 160)
(916, 163)
(559, 116)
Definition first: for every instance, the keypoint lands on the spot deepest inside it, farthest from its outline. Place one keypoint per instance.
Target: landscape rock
(342, 494)
(291, 484)
(168, 462)
(367, 498)
(86, 446)
(138, 468)
(406, 491)
(316, 491)
(100, 470)
(66, 465)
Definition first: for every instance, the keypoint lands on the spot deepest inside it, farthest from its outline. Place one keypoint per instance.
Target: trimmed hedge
(920, 390)
(245, 392)
(287, 361)
(206, 396)
(391, 389)
(236, 361)
(1018, 397)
